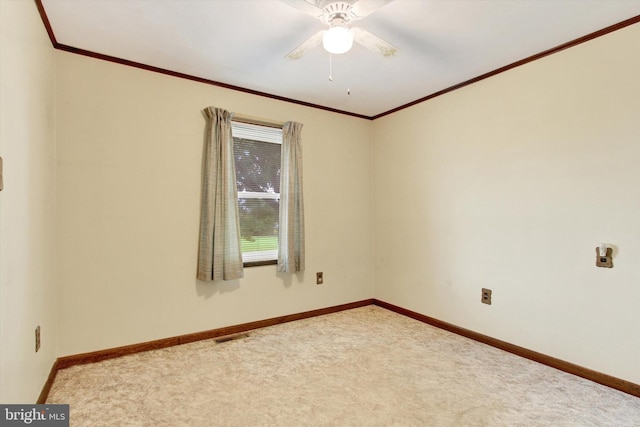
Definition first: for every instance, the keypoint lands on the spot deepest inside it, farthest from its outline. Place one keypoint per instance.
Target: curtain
(291, 226)
(219, 256)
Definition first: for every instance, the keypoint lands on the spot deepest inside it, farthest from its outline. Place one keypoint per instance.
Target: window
(257, 159)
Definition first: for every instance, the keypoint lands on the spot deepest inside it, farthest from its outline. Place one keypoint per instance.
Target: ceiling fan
(339, 37)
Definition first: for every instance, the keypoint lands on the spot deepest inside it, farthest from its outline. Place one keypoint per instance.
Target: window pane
(258, 228)
(258, 217)
(257, 165)
(258, 180)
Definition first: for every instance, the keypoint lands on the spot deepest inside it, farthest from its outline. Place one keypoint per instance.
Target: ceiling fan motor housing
(336, 10)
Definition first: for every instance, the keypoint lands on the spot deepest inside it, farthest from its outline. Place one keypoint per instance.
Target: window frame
(268, 134)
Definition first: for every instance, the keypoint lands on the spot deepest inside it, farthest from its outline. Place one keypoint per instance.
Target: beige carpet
(362, 367)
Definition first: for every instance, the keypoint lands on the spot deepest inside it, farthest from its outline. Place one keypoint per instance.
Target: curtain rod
(256, 120)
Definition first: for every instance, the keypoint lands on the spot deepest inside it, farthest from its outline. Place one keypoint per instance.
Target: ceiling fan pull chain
(348, 73)
(330, 67)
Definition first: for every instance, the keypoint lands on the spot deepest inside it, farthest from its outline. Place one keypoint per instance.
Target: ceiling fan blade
(310, 43)
(373, 43)
(308, 7)
(363, 8)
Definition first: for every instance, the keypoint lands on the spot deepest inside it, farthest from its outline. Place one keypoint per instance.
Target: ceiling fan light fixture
(337, 39)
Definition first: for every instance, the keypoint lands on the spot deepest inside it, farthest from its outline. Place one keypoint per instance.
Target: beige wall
(27, 203)
(510, 184)
(129, 151)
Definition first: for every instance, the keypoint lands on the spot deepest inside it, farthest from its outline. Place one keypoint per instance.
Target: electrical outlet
(486, 296)
(37, 338)
(319, 278)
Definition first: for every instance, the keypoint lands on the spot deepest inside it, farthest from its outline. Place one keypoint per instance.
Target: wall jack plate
(319, 278)
(604, 261)
(486, 296)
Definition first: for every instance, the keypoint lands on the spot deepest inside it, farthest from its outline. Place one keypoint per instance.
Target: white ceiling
(244, 42)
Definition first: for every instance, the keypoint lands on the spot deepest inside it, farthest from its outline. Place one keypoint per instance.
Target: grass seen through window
(259, 243)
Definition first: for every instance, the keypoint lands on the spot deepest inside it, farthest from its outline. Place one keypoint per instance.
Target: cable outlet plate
(604, 261)
(319, 278)
(486, 296)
